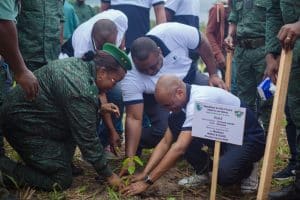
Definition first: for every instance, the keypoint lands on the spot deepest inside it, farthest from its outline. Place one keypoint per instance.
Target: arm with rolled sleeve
(212, 32)
(133, 100)
(82, 118)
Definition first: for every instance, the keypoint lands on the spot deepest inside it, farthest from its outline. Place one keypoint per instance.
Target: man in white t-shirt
(184, 11)
(163, 51)
(138, 13)
(92, 34)
(236, 162)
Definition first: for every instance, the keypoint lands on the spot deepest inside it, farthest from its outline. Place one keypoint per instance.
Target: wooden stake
(228, 69)
(214, 178)
(275, 124)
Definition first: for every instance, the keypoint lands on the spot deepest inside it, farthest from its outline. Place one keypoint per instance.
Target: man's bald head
(170, 92)
(142, 47)
(104, 30)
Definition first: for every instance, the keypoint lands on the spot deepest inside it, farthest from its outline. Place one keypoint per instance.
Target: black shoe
(287, 172)
(286, 193)
(76, 171)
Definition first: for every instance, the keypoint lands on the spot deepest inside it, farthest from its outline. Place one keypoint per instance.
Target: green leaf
(138, 160)
(131, 169)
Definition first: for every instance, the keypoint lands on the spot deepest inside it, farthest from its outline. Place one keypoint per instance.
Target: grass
(86, 187)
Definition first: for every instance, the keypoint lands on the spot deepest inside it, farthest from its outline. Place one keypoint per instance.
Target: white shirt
(178, 38)
(207, 94)
(184, 11)
(140, 3)
(184, 7)
(82, 36)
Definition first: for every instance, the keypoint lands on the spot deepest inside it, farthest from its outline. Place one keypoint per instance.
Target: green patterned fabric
(282, 12)
(39, 26)
(84, 12)
(45, 131)
(250, 18)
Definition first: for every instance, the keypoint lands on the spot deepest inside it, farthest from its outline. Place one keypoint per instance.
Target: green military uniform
(39, 26)
(279, 13)
(83, 11)
(249, 54)
(45, 131)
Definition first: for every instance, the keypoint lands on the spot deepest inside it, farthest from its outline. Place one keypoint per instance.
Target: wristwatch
(148, 180)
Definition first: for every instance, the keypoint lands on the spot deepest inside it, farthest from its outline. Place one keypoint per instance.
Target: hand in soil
(115, 181)
(135, 188)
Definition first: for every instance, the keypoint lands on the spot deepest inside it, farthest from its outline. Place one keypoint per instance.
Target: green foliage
(171, 198)
(112, 195)
(82, 189)
(131, 168)
(57, 193)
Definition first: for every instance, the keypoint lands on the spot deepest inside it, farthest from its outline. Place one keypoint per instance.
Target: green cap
(118, 54)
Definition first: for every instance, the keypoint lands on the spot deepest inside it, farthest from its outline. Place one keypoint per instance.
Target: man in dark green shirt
(83, 11)
(45, 131)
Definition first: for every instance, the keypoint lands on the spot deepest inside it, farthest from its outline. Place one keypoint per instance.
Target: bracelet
(148, 180)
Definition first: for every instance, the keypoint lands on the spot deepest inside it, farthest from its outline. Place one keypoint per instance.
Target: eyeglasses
(94, 45)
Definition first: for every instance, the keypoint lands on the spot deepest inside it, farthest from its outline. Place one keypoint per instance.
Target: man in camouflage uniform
(247, 22)
(287, 13)
(44, 132)
(39, 27)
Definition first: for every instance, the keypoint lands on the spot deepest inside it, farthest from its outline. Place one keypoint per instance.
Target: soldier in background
(83, 11)
(283, 21)
(40, 31)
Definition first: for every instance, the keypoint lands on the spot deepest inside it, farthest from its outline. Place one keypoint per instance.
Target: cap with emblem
(118, 54)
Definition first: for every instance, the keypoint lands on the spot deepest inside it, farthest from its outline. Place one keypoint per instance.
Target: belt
(251, 43)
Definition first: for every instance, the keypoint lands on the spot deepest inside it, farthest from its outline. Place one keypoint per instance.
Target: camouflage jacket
(250, 18)
(66, 109)
(39, 26)
(279, 12)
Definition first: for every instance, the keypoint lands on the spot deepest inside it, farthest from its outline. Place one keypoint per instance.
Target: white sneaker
(250, 184)
(194, 180)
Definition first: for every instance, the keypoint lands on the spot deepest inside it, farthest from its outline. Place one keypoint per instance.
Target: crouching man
(236, 162)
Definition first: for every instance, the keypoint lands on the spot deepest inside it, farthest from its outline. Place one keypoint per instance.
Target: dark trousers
(113, 96)
(291, 134)
(158, 116)
(236, 162)
(44, 168)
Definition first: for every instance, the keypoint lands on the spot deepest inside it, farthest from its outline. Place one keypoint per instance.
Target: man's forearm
(158, 153)
(166, 163)
(133, 131)
(232, 30)
(207, 56)
(160, 14)
(9, 48)
(176, 151)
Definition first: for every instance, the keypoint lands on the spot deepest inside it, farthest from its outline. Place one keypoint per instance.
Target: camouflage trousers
(250, 66)
(294, 101)
(47, 162)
